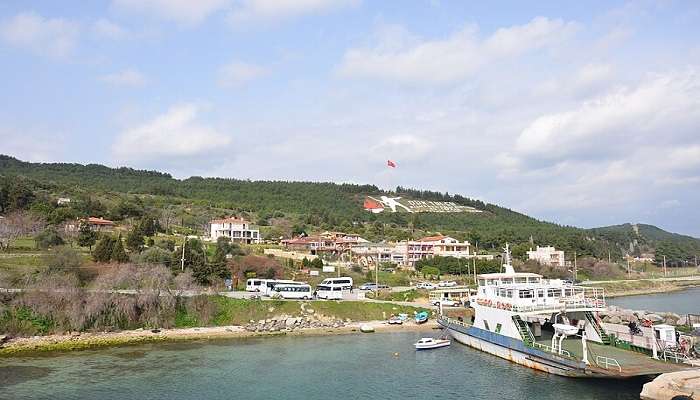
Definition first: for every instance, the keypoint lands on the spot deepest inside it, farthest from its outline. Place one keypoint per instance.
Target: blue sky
(582, 113)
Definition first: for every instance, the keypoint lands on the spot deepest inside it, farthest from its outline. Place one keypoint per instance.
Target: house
(328, 242)
(63, 201)
(97, 224)
(547, 255)
(407, 253)
(237, 229)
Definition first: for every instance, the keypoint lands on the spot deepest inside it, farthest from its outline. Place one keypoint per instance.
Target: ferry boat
(549, 325)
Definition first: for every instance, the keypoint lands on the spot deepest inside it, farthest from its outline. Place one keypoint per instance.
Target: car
(446, 303)
(425, 285)
(395, 321)
(368, 286)
(447, 284)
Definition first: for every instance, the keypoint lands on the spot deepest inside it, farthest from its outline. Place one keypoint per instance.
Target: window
(486, 324)
(506, 281)
(553, 292)
(526, 294)
(520, 280)
(482, 282)
(510, 293)
(498, 328)
(540, 293)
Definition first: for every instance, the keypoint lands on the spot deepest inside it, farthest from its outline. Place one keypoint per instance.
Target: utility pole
(628, 267)
(184, 242)
(609, 260)
(664, 265)
(575, 271)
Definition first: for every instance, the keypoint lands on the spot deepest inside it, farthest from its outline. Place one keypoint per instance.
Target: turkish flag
(390, 163)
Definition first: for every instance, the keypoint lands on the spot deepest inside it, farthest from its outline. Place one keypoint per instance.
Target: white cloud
(404, 147)
(452, 59)
(177, 133)
(106, 28)
(128, 77)
(55, 37)
(239, 73)
(661, 109)
(184, 12)
(249, 10)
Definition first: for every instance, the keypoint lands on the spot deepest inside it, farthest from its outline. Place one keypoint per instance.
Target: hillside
(284, 208)
(643, 239)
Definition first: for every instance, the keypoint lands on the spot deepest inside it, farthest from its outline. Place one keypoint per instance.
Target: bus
(255, 284)
(286, 291)
(344, 282)
(268, 288)
(329, 292)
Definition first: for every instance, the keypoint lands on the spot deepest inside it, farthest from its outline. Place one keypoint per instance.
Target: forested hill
(285, 208)
(643, 238)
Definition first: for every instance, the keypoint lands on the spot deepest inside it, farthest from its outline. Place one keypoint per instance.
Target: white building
(547, 255)
(410, 252)
(237, 229)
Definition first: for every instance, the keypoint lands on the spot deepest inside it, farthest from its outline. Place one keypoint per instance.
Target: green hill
(284, 208)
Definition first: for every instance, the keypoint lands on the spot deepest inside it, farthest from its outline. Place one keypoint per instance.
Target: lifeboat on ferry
(565, 329)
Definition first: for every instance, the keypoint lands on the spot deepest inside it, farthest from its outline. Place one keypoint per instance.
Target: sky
(580, 113)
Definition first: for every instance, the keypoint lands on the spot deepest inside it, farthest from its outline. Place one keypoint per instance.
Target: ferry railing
(549, 349)
(675, 356)
(607, 362)
(558, 306)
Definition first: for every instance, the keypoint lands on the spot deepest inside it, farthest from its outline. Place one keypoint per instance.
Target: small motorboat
(366, 328)
(421, 317)
(431, 343)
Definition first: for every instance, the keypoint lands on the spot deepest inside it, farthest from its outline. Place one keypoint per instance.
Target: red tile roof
(99, 221)
(435, 238)
(229, 220)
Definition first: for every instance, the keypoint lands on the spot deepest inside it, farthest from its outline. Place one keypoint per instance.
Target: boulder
(290, 322)
(655, 318)
(614, 319)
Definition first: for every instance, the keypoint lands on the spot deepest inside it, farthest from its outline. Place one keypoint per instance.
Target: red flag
(390, 163)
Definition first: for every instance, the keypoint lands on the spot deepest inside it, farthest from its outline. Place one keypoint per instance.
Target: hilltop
(284, 208)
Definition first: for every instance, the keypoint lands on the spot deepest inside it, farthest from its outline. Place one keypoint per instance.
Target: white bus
(268, 288)
(287, 291)
(344, 282)
(329, 292)
(255, 284)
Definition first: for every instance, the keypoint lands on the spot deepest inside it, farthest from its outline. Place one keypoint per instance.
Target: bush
(49, 237)
(156, 255)
(64, 259)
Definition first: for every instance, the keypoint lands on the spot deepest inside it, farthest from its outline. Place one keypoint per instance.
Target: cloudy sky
(584, 113)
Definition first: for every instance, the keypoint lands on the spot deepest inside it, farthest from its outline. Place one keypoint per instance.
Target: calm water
(682, 302)
(337, 367)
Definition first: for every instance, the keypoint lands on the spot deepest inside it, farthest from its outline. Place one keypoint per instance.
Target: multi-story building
(328, 242)
(237, 229)
(408, 253)
(547, 255)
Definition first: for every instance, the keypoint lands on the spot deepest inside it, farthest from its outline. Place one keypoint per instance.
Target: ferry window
(534, 280)
(510, 293)
(486, 324)
(507, 280)
(492, 282)
(540, 292)
(481, 282)
(553, 293)
(568, 292)
(521, 280)
(498, 328)
(526, 294)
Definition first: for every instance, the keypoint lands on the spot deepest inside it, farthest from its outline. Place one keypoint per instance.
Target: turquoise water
(681, 302)
(330, 367)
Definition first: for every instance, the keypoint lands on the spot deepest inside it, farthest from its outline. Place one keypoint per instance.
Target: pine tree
(118, 253)
(86, 236)
(103, 250)
(134, 240)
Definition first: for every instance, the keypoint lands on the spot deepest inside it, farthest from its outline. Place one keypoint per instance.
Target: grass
(241, 311)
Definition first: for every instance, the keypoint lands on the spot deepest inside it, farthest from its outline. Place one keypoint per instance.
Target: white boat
(431, 343)
(549, 325)
(366, 328)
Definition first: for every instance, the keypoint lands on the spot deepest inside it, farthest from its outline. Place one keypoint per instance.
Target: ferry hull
(503, 347)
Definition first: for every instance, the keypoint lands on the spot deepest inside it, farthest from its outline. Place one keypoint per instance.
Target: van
(255, 284)
(329, 292)
(344, 282)
(286, 291)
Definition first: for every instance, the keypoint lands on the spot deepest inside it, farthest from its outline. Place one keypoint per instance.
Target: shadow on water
(13, 374)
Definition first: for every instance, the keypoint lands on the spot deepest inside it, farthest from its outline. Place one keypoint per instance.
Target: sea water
(681, 302)
(357, 366)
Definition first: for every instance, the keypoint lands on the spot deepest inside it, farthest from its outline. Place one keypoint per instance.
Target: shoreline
(652, 290)
(26, 346)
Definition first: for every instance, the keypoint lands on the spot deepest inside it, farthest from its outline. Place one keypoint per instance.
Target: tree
(134, 240)
(430, 271)
(64, 259)
(17, 224)
(118, 253)
(86, 236)
(49, 237)
(156, 255)
(317, 263)
(103, 249)
(148, 226)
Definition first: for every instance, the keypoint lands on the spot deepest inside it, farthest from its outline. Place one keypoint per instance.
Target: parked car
(425, 285)
(446, 303)
(368, 286)
(395, 321)
(447, 283)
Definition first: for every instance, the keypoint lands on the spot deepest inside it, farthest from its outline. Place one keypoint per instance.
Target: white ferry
(548, 325)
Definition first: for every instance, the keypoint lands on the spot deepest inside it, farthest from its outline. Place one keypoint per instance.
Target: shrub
(49, 237)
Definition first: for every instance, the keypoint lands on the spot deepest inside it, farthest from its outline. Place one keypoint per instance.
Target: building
(237, 229)
(326, 242)
(547, 255)
(97, 224)
(63, 201)
(407, 253)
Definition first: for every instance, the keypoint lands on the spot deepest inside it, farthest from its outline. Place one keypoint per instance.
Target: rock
(271, 309)
(614, 319)
(310, 311)
(290, 322)
(683, 320)
(654, 318)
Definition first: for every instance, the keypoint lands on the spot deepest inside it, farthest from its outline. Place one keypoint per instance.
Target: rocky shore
(282, 325)
(617, 315)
